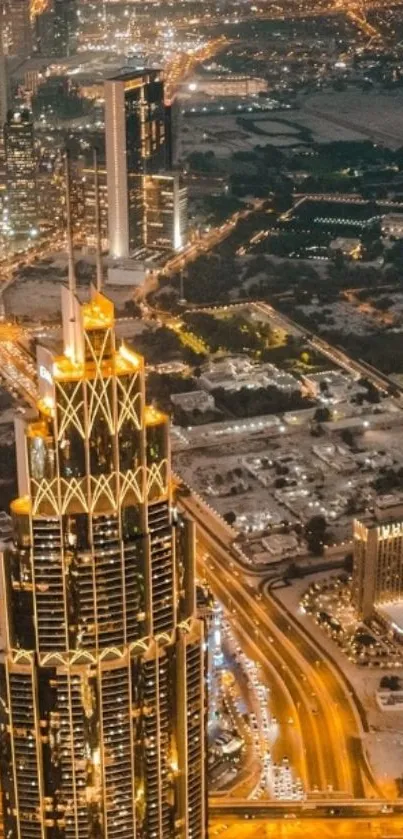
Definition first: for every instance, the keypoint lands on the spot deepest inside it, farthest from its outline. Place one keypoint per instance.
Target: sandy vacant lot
(39, 300)
(352, 114)
(349, 115)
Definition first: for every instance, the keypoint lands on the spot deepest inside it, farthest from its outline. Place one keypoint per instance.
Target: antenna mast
(70, 248)
(97, 223)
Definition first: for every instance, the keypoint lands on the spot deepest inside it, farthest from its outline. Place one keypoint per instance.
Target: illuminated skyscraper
(165, 211)
(102, 712)
(19, 20)
(88, 186)
(3, 97)
(378, 557)
(21, 171)
(136, 145)
(65, 24)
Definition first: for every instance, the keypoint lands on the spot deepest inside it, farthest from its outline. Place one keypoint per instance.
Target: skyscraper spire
(70, 249)
(97, 222)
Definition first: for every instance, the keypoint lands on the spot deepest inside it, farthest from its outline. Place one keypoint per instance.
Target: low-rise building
(194, 400)
(392, 225)
(348, 246)
(281, 545)
(331, 384)
(227, 84)
(233, 374)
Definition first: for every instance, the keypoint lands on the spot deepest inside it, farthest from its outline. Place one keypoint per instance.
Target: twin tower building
(102, 706)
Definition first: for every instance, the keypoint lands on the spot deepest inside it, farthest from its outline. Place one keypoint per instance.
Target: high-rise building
(165, 211)
(89, 220)
(20, 29)
(21, 171)
(3, 98)
(102, 712)
(3, 73)
(378, 557)
(56, 28)
(65, 25)
(44, 32)
(173, 123)
(136, 145)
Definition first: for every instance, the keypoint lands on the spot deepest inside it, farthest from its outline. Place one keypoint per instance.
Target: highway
(323, 741)
(208, 241)
(389, 827)
(47, 244)
(17, 369)
(323, 807)
(183, 64)
(280, 12)
(290, 740)
(16, 366)
(322, 707)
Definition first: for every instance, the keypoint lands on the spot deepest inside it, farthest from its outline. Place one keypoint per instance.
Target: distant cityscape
(201, 419)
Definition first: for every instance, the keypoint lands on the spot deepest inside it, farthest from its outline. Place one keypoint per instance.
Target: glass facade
(17, 14)
(137, 147)
(146, 148)
(21, 171)
(102, 676)
(65, 26)
(166, 211)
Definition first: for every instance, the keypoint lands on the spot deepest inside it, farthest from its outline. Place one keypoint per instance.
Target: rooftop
(98, 313)
(135, 74)
(388, 509)
(154, 417)
(393, 612)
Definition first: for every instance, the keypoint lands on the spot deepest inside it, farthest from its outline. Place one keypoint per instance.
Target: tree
(322, 415)
(351, 506)
(315, 531)
(390, 682)
(282, 200)
(230, 517)
(294, 571)
(132, 309)
(372, 394)
(348, 437)
(348, 563)
(338, 261)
